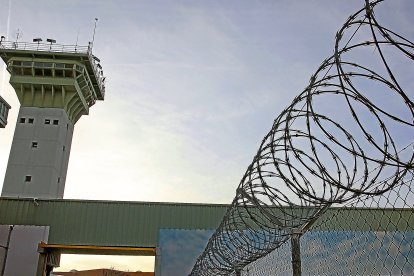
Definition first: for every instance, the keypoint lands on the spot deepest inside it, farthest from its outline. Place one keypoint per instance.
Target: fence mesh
(372, 236)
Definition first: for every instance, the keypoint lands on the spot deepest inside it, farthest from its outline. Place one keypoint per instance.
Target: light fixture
(38, 40)
(51, 41)
(2, 38)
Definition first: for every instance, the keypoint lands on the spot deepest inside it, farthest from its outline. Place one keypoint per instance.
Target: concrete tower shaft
(55, 85)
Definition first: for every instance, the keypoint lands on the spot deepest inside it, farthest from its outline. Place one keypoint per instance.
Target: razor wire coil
(337, 142)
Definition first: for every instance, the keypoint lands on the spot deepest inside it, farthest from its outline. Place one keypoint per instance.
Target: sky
(192, 86)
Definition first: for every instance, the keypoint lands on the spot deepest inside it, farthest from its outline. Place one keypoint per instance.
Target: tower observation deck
(56, 85)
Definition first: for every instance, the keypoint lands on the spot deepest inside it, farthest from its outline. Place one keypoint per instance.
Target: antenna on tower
(18, 34)
(77, 38)
(94, 30)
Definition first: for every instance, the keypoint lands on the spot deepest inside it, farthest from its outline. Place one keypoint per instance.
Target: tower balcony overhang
(60, 54)
(54, 76)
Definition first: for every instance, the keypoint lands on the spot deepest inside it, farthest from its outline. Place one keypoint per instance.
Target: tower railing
(44, 47)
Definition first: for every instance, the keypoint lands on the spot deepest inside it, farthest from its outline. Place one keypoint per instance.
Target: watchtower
(56, 85)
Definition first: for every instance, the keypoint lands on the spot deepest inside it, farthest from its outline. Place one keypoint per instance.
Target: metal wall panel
(108, 223)
(137, 224)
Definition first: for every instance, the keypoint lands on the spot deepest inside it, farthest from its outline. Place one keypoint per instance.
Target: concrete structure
(4, 112)
(55, 85)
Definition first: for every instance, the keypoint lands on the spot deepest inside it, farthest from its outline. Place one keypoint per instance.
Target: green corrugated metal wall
(136, 224)
(108, 223)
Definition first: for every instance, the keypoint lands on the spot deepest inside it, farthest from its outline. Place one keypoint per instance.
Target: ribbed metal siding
(108, 223)
(366, 219)
(137, 224)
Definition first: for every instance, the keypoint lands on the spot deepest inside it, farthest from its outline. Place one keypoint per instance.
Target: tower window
(28, 178)
(31, 120)
(55, 122)
(34, 144)
(22, 120)
(58, 179)
(47, 121)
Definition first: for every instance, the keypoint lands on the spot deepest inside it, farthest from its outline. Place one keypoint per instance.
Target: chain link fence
(373, 236)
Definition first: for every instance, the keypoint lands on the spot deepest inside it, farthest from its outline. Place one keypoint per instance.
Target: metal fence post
(295, 243)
